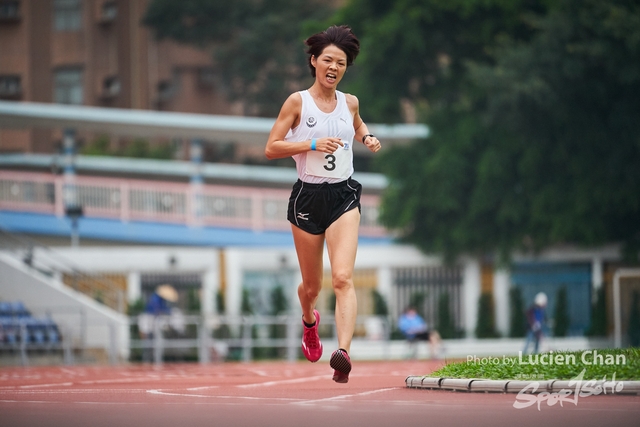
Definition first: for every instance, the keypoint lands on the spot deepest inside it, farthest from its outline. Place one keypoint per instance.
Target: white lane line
(73, 391)
(46, 385)
(121, 380)
(279, 382)
(344, 396)
(203, 388)
(165, 393)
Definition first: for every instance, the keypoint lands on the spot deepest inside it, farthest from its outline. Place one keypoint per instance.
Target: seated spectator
(414, 328)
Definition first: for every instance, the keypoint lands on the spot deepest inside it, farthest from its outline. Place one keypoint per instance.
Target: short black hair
(340, 36)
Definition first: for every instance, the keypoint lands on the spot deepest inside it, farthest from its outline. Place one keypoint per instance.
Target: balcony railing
(257, 209)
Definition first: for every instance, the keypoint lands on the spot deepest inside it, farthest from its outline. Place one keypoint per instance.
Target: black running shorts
(314, 207)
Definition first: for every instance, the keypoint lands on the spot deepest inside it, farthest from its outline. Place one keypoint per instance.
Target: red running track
(273, 394)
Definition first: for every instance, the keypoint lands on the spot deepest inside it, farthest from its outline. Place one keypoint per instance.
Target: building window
(9, 11)
(109, 12)
(68, 87)
(67, 15)
(10, 87)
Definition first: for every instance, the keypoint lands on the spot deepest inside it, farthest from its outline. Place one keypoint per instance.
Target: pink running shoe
(311, 345)
(341, 363)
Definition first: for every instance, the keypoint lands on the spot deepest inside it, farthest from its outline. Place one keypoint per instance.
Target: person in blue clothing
(159, 301)
(536, 319)
(415, 328)
(159, 304)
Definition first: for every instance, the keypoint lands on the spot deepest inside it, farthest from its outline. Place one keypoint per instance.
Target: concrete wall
(86, 321)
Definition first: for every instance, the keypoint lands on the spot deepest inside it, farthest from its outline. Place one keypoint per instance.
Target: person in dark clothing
(536, 318)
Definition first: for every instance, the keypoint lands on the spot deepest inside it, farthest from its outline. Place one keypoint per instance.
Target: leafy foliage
(634, 320)
(279, 302)
(598, 325)
(561, 314)
(380, 307)
(540, 146)
(417, 50)
(446, 324)
(138, 148)
(517, 327)
(257, 45)
(486, 325)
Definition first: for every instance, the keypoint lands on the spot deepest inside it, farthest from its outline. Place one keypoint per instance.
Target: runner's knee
(341, 281)
(310, 290)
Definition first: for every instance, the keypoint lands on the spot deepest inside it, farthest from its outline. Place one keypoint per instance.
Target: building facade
(96, 53)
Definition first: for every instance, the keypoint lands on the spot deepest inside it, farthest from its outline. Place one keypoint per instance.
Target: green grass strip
(553, 365)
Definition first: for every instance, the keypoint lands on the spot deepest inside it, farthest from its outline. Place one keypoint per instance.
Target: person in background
(536, 319)
(159, 304)
(415, 328)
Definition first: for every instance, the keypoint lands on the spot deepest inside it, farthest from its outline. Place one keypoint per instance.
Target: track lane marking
(203, 388)
(165, 393)
(279, 382)
(344, 396)
(47, 385)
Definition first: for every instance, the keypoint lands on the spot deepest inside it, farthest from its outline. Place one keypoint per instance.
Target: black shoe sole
(340, 363)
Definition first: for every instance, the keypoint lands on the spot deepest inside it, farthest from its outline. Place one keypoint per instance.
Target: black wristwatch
(365, 137)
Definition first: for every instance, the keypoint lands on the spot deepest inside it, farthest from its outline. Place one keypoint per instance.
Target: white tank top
(316, 167)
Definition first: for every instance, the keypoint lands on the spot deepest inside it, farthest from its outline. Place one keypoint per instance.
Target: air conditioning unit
(166, 90)
(111, 87)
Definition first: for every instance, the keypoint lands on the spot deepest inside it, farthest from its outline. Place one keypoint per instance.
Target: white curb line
(509, 386)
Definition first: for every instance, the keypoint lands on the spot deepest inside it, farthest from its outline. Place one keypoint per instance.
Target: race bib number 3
(335, 165)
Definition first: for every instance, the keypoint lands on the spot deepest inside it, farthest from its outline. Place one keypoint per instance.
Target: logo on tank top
(311, 122)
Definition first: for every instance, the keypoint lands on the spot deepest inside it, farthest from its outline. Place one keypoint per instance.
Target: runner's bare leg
(309, 248)
(342, 245)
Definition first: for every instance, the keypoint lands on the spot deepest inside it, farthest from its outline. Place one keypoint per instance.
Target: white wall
(134, 261)
(501, 285)
(471, 286)
(43, 295)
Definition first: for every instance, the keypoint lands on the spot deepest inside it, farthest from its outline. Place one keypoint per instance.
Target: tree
(417, 50)
(193, 301)
(446, 324)
(486, 326)
(561, 314)
(416, 300)
(245, 306)
(540, 148)
(279, 302)
(380, 307)
(598, 324)
(634, 320)
(257, 45)
(517, 327)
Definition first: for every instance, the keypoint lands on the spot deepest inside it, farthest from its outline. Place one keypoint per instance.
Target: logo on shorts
(311, 122)
(303, 216)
